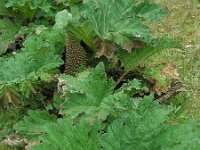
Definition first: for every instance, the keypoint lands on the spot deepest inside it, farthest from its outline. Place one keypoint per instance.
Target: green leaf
(29, 88)
(118, 105)
(38, 56)
(66, 135)
(146, 129)
(82, 96)
(118, 22)
(52, 39)
(8, 31)
(3, 10)
(133, 87)
(68, 2)
(33, 125)
(83, 32)
(151, 12)
(112, 22)
(70, 21)
(92, 111)
(131, 60)
(180, 137)
(29, 9)
(47, 76)
(19, 68)
(62, 19)
(89, 89)
(36, 62)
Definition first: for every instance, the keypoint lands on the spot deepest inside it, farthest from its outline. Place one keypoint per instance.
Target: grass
(183, 24)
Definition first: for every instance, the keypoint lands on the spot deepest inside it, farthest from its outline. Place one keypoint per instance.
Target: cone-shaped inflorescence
(75, 55)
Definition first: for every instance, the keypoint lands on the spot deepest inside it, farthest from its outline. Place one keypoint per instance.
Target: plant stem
(121, 78)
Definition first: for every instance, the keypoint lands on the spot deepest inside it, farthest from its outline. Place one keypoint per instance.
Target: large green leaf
(131, 134)
(37, 62)
(34, 4)
(146, 129)
(52, 39)
(83, 32)
(90, 93)
(38, 55)
(29, 9)
(150, 11)
(23, 66)
(118, 105)
(116, 22)
(33, 125)
(66, 135)
(115, 105)
(133, 59)
(8, 31)
(89, 89)
(111, 21)
(179, 137)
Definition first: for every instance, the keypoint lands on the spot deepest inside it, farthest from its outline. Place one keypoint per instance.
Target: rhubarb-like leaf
(88, 90)
(8, 31)
(33, 125)
(133, 59)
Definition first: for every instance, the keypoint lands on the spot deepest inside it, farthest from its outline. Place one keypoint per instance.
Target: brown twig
(121, 78)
